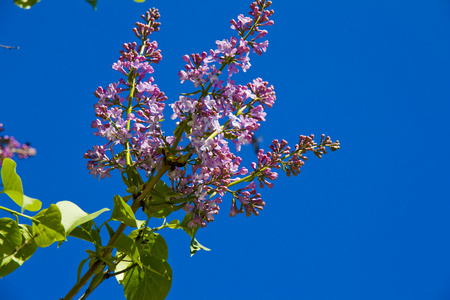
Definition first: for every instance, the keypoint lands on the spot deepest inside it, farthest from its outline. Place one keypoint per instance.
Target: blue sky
(370, 221)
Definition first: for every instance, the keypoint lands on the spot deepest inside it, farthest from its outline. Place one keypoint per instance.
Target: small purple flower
(9, 146)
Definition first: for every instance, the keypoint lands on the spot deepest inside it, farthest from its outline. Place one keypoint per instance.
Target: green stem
(240, 111)
(252, 28)
(252, 176)
(108, 275)
(178, 137)
(17, 213)
(98, 265)
(130, 109)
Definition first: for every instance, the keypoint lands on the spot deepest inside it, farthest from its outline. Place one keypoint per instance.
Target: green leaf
(31, 204)
(163, 201)
(73, 216)
(180, 128)
(122, 265)
(122, 212)
(10, 236)
(151, 277)
(127, 245)
(95, 281)
(48, 229)
(12, 186)
(87, 233)
(156, 246)
(151, 281)
(26, 4)
(161, 210)
(184, 225)
(10, 239)
(152, 243)
(139, 1)
(110, 230)
(133, 178)
(80, 268)
(162, 193)
(196, 246)
(93, 3)
(229, 135)
(24, 246)
(149, 243)
(174, 224)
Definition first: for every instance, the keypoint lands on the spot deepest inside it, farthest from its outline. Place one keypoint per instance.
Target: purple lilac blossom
(132, 122)
(9, 147)
(203, 167)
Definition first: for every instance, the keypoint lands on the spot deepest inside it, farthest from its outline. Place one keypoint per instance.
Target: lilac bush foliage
(213, 122)
(9, 147)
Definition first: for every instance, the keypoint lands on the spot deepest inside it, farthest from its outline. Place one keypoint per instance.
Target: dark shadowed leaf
(93, 3)
(184, 225)
(151, 281)
(163, 201)
(87, 232)
(125, 244)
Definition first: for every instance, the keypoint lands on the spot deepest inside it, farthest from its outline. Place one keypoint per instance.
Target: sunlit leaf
(174, 224)
(10, 239)
(196, 246)
(73, 216)
(48, 229)
(10, 236)
(122, 212)
(12, 186)
(17, 245)
(122, 265)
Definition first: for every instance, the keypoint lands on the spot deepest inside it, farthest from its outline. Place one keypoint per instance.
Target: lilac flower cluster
(200, 162)
(132, 121)
(9, 146)
(223, 111)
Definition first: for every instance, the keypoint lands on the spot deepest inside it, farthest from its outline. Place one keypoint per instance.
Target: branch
(9, 47)
(98, 265)
(17, 213)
